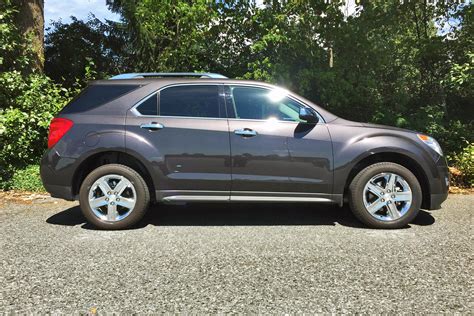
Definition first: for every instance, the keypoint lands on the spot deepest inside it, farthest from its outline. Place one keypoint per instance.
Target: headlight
(431, 142)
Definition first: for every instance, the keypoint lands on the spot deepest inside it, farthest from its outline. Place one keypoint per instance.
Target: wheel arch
(401, 159)
(98, 159)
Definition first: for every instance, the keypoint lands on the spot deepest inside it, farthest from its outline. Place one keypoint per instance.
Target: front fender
(347, 154)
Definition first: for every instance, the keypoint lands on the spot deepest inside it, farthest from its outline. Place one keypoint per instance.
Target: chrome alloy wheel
(112, 197)
(387, 196)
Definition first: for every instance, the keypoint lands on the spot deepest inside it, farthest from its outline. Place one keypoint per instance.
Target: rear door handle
(153, 126)
(246, 132)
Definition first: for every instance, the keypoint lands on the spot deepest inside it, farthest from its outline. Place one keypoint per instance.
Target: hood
(393, 128)
(341, 121)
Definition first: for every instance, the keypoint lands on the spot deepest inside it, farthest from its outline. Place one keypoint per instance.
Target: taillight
(57, 129)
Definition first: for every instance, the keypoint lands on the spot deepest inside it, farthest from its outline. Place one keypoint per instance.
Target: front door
(274, 152)
(187, 142)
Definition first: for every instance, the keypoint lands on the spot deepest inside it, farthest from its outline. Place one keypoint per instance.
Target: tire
(115, 209)
(373, 204)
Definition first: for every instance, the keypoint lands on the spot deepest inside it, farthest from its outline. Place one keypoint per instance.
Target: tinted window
(192, 101)
(149, 106)
(263, 104)
(96, 95)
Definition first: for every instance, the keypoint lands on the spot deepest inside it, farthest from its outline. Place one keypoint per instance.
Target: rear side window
(190, 101)
(96, 95)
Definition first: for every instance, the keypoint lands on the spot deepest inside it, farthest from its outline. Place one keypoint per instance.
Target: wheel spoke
(127, 203)
(402, 196)
(375, 206)
(104, 186)
(392, 180)
(112, 213)
(375, 189)
(393, 211)
(121, 186)
(97, 202)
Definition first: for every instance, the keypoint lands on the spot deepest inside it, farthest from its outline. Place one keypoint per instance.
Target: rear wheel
(385, 195)
(114, 196)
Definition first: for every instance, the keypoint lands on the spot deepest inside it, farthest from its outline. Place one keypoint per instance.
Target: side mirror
(308, 116)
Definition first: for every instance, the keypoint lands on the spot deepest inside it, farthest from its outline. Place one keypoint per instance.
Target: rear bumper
(56, 174)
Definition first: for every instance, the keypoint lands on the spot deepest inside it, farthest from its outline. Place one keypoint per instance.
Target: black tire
(142, 196)
(356, 195)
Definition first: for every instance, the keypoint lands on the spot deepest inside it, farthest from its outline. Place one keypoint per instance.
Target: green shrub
(27, 179)
(27, 105)
(28, 101)
(463, 164)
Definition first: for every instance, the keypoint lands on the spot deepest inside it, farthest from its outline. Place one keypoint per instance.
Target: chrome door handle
(153, 126)
(246, 132)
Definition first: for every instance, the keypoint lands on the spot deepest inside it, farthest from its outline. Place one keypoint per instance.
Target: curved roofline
(139, 75)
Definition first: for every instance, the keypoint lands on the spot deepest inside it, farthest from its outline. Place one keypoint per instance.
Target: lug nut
(115, 193)
(108, 193)
(383, 200)
(389, 202)
(118, 199)
(393, 196)
(388, 191)
(106, 199)
(112, 203)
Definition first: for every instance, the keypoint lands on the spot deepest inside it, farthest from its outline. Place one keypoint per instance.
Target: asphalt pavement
(235, 258)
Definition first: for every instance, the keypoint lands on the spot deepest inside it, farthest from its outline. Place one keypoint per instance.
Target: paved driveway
(235, 258)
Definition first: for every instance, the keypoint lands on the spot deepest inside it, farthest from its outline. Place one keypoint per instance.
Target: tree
(30, 21)
(73, 47)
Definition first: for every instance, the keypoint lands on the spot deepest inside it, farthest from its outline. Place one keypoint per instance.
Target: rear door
(183, 131)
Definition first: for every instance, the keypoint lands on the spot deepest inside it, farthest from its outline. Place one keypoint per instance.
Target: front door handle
(153, 126)
(246, 132)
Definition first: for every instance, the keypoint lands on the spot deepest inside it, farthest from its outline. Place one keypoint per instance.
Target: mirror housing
(308, 116)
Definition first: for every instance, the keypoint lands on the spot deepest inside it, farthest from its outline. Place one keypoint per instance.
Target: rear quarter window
(96, 95)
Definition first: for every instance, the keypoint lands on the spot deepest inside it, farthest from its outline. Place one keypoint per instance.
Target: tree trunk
(30, 22)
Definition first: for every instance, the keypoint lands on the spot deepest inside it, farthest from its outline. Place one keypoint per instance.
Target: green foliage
(27, 106)
(72, 50)
(402, 63)
(27, 179)
(28, 102)
(464, 163)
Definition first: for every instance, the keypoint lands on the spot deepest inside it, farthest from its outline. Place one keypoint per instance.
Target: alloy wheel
(387, 196)
(112, 197)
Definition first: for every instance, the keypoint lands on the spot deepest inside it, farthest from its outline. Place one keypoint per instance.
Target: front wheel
(114, 196)
(385, 195)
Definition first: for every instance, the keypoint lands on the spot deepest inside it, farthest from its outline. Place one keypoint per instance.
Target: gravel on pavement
(235, 258)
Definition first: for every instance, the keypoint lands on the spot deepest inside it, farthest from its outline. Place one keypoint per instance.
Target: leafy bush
(27, 105)
(27, 179)
(28, 101)
(462, 171)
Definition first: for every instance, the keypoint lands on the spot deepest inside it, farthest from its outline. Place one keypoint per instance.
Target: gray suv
(186, 137)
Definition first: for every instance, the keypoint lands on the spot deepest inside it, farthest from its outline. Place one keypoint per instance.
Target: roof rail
(168, 74)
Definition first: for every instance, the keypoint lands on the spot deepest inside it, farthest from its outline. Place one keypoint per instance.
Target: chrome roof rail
(168, 75)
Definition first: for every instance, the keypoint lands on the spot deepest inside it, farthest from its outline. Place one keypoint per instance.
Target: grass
(27, 179)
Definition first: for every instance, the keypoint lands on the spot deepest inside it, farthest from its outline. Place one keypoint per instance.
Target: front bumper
(439, 185)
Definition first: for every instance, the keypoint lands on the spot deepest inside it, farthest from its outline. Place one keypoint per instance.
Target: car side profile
(187, 137)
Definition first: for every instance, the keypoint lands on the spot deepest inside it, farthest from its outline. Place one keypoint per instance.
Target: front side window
(263, 104)
(149, 106)
(190, 101)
